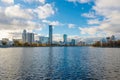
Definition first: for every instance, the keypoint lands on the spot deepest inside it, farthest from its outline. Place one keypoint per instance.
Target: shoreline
(37, 46)
(50, 46)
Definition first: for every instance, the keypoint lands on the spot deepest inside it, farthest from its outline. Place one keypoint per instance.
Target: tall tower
(24, 34)
(65, 38)
(50, 34)
(30, 37)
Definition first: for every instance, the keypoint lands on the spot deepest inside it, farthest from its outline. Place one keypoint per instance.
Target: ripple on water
(60, 63)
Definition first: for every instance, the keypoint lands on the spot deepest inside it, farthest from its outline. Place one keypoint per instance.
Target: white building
(0, 43)
(24, 35)
(30, 38)
(65, 39)
(27, 37)
(43, 40)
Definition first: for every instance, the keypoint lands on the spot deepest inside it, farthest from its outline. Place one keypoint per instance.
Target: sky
(79, 19)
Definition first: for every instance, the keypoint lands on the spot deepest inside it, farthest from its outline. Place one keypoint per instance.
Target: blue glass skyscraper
(50, 34)
(65, 39)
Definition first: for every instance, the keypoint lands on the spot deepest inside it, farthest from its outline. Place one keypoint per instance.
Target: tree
(4, 43)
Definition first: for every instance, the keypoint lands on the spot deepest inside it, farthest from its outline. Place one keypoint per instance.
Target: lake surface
(60, 63)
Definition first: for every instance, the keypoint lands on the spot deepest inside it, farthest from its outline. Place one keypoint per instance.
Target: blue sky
(79, 19)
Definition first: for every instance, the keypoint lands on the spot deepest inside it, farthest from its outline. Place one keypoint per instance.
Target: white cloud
(71, 25)
(11, 22)
(45, 11)
(16, 26)
(110, 10)
(54, 23)
(8, 1)
(111, 23)
(57, 37)
(16, 11)
(13, 17)
(16, 17)
(89, 30)
(79, 1)
(40, 1)
(89, 15)
(93, 21)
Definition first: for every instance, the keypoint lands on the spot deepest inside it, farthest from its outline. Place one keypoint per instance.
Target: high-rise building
(43, 40)
(112, 38)
(73, 42)
(50, 34)
(30, 37)
(24, 34)
(108, 39)
(65, 39)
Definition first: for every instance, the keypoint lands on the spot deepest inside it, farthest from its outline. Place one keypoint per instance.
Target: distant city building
(103, 40)
(30, 37)
(10, 43)
(0, 43)
(24, 36)
(108, 39)
(73, 42)
(5, 41)
(60, 43)
(27, 37)
(43, 40)
(81, 43)
(65, 39)
(50, 34)
(112, 38)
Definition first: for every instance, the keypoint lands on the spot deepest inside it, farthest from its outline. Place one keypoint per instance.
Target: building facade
(73, 42)
(50, 34)
(27, 37)
(65, 39)
(43, 40)
(30, 37)
(24, 36)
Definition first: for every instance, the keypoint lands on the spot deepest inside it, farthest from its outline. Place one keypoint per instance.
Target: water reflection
(60, 63)
(65, 67)
(50, 66)
(26, 71)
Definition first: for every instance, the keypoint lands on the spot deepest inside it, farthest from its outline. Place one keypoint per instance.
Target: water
(60, 63)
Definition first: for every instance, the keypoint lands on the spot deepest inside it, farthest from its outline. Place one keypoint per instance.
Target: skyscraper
(30, 38)
(112, 38)
(50, 34)
(24, 36)
(65, 39)
(73, 42)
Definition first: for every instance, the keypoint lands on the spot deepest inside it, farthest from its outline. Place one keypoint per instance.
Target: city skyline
(80, 19)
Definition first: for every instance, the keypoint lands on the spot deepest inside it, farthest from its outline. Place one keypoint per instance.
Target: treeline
(17, 43)
(20, 44)
(107, 44)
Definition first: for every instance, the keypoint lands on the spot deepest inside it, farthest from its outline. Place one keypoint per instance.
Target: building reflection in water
(65, 67)
(50, 66)
(26, 69)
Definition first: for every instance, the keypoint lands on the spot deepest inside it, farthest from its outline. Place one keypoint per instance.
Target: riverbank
(37, 46)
